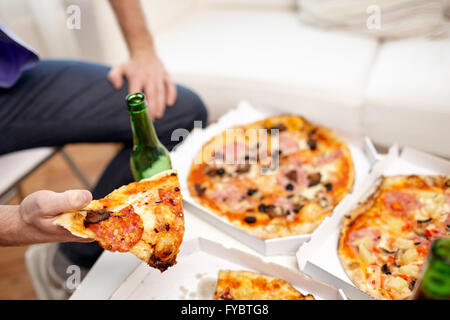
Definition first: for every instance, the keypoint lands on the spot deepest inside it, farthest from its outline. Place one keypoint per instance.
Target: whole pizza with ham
(277, 177)
(145, 218)
(385, 240)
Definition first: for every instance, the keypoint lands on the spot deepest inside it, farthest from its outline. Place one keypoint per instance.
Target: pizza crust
(247, 285)
(351, 267)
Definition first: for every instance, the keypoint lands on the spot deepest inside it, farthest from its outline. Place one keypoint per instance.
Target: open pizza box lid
(318, 257)
(363, 153)
(195, 275)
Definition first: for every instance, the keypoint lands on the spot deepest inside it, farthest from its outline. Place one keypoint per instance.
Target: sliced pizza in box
(248, 285)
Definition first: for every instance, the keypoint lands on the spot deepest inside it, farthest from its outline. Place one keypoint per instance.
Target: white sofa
(258, 50)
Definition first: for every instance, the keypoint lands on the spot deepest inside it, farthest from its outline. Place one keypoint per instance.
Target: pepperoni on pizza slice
(144, 218)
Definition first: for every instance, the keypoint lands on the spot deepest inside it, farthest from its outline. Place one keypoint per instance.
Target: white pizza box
(318, 257)
(362, 150)
(195, 275)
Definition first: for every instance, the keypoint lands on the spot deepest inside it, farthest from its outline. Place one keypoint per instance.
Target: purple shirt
(15, 57)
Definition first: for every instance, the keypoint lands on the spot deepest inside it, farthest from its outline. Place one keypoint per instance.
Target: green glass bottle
(149, 155)
(435, 282)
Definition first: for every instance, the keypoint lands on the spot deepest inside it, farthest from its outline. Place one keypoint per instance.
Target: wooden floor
(57, 176)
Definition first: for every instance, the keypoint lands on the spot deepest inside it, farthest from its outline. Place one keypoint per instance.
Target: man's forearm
(132, 23)
(9, 225)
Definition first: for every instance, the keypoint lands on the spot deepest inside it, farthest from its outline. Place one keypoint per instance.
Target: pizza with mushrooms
(247, 285)
(277, 177)
(144, 218)
(385, 240)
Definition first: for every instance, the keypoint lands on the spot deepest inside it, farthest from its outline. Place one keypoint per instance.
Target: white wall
(101, 39)
(17, 16)
(42, 24)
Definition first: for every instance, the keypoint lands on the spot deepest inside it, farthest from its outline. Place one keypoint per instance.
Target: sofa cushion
(408, 96)
(387, 19)
(270, 59)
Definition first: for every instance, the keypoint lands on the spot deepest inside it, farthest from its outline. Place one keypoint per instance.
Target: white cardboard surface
(362, 150)
(112, 269)
(318, 257)
(196, 274)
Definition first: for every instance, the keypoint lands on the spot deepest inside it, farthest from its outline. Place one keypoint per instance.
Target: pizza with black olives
(273, 178)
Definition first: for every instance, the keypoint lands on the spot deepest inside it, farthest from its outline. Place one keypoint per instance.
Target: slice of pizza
(247, 285)
(385, 239)
(145, 218)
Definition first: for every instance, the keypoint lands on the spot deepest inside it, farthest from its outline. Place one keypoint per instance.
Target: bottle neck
(142, 127)
(143, 130)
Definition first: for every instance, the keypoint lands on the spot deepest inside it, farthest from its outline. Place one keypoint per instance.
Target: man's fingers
(135, 84)
(160, 97)
(51, 203)
(39, 210)
(171, 90)
(115, 76)
(149, 93)
(66, 236)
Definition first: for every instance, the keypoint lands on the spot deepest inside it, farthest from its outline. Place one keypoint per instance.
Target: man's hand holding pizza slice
(32, 220)
(145, 218)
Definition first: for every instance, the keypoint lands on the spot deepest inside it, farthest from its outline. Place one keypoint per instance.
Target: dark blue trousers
(59, 102)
